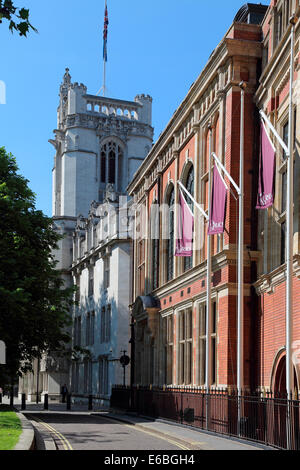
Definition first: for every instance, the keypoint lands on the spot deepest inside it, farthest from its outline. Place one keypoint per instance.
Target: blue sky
(156, 47)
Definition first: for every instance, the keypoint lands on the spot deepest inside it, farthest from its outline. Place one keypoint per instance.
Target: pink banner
(265, 197)
(218, 204)
(185, 228)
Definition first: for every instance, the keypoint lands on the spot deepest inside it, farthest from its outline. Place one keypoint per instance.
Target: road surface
(80, 431)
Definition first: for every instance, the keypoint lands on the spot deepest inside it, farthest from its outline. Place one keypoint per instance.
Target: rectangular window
(155, 263)
(90, 377)
(285, 138)
(85, 376)
(87, 329)
(283, 192)
(278, 27)
(202, 344)
(78, 332)
(103, 376)
(141, 267)
(105, 327)
(77, 292)
(91, 282)
(102, 325)
(287, 12)
(76, 388)
(185, 347)
(106, 273)
(108, 324)
(283, 243)
(168, 341)
(214, 344)
(92, 329)
(265, 56)
(103, 167)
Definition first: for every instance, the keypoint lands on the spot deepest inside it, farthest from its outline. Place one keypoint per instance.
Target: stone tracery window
(111, 163)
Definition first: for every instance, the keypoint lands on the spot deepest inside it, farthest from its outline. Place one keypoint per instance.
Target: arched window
(170, 241)
(154, 217)
(112, 167)
(189, 184)
(111, 164)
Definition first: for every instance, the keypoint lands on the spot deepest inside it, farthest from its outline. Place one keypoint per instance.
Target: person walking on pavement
(64, 392)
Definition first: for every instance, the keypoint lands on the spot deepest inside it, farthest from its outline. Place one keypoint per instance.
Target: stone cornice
(95, 253)
(201, 297)
(282, 50)
(101, 123)
(267, 283)
(205, 87)
(219, 261)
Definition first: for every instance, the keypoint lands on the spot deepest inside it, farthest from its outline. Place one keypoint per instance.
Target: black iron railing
(264, 418)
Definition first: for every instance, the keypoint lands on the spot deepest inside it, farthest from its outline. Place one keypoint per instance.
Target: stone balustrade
(110, 107)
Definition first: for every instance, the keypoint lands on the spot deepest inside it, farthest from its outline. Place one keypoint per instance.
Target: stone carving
(110, 193)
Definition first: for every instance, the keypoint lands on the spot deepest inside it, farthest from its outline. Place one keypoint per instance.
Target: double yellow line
(157, 436)
(66, 444)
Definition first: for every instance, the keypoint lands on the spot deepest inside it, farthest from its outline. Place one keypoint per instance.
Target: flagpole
(208, 289)
(290, 226)
(103, 88)
(104, 76)
(240, 310)
(105, 57)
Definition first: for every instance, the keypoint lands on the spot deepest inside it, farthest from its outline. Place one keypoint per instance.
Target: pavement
(186, 437)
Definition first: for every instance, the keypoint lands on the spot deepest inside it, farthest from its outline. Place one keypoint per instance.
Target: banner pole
(226, 173)
(290, 226)
(270, 125)
(203, 213)
(240, 310)
(208, 290)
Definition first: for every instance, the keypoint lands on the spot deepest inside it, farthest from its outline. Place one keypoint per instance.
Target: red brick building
(273, 97)
(169, 293)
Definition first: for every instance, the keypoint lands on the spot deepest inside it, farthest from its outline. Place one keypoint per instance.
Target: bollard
(46, 401)
(69, 401)
(11, 400)
(90, 402)
(23, 406)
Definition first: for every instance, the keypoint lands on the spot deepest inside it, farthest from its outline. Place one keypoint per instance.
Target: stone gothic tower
(99, 143)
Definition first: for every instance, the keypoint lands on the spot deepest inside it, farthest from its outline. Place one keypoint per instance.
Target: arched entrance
(279, 383)
(280, 378)
(282, 409)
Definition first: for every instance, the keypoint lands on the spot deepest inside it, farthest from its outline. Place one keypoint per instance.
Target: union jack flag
(106, 23)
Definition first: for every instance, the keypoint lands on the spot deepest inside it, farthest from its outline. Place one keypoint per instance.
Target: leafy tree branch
(18, 18)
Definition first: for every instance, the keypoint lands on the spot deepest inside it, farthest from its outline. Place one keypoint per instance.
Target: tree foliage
(34, 304)
(18, 18)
